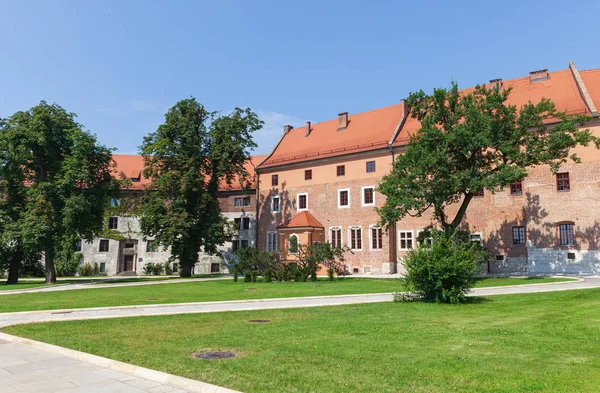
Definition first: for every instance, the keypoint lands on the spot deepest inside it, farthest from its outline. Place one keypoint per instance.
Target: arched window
(293, 243)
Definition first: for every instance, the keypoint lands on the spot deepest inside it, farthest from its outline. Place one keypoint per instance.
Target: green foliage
(148, 267)
(469, 142)
(187, 158)
(157, 269)
(445, 271)
(167, 268)
(312, 257)
(58, 178)
(86, 270)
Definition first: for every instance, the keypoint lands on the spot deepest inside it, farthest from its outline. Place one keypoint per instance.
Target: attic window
(538, 76)
(135, 179)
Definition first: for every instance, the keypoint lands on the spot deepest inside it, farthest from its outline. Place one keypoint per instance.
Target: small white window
(406, 240)
(272, 240)
(275, 206)
(476, 237)
(428, 241)
(335, 236)
(368, 196)
(344, 198)
(355, 238)
(376, 237)
(238, 202)
(302, 202)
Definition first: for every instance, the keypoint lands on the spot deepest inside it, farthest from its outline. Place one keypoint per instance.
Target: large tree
(471, 141)
(187, 158)
(59, 177)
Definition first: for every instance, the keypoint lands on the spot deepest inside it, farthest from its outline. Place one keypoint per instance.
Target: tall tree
(187, 158)
(62, 174)
(471, 141)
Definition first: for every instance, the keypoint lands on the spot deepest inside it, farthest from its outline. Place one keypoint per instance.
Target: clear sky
(121, 64)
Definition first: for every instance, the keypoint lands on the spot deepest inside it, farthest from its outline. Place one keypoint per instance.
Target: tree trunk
(186, 270)
(13, 268)
(50, 270)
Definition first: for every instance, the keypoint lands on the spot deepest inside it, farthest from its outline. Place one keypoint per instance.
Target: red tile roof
(302, 220)
(365, 131)
(131, 166)
(560, 87)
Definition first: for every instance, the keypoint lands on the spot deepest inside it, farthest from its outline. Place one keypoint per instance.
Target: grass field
(28, 283)
(517, 343)
(205, 291)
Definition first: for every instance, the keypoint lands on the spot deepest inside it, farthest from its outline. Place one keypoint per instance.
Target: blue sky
(121, 64)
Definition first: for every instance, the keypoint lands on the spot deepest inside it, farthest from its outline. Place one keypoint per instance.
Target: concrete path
(7, 319)
(31, 366)
(96, 285)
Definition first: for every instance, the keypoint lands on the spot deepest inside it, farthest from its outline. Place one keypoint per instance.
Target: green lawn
(214, 291)
(28, 283)
(518, 343)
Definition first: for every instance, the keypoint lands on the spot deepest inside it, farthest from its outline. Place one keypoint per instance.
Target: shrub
(86, 269)
(148, 269)
(445, 271)
(157, 269)
(167, 268)
(247, 277)
(67, 266)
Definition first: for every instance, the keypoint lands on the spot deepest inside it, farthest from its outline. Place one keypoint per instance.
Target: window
(376, 238)
(370, 166)
(308, 174)
(272, 241)
(356, 238)
(102, 267)
(406, 240)
(366, 269)
(518, 236)
(246, 201)
(77, 245)
(476, 237)
(275, 180)
(302, 202)
(175, 267)
(424, 241)
(335, 236)
(368, 194)
(516, 188)
(562, 182)
(245, 223)
(235, 245)
(275, 207)
(238, 202)
(570, 255)
(567, 237)
(244, 244)
(151, 246)
(344, 198)
(103, 245)
(115, 202)
(215, 267)
(479, 193)
(135, 179)
(237, 223)
(341, 170)
(113, 222)
(499, 257)
(293, 244)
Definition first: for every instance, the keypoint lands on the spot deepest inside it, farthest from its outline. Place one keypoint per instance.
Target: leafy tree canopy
(470, 141)
(187, 158)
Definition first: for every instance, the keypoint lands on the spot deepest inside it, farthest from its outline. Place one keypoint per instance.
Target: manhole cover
(212, 355)
(259, 320)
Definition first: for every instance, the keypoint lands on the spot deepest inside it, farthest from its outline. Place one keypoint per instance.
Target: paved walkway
(98, 284)
(29, 366)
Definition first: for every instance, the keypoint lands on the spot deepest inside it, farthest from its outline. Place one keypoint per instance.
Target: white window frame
(297, 242)
(336, 228)
(339, 192)
(273, 204)
(480, 240)
(427, 239)
(362, 196)
(350, 237)
(412, 237)
(298, 202)
(275, 242)
(371, 227)
(235, 201)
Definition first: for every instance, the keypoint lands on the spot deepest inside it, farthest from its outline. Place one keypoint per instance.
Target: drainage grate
(213, 355)
(259, 320)
(62, 312)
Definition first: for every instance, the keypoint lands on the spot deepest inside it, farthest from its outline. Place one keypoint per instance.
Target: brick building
(319, 184)
(129, 254)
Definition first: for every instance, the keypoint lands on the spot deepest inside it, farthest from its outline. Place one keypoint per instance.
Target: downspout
(257, 209)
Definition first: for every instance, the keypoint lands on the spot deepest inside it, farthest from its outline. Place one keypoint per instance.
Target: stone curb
(140, 372)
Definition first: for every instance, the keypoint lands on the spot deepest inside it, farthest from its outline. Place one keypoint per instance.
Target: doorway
(128, 263)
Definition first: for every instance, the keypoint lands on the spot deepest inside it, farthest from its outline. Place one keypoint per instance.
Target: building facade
(320, 184)
(129, 251)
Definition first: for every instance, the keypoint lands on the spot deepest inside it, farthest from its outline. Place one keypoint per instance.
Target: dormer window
(135, 179)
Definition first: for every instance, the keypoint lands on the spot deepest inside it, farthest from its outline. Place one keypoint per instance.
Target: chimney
(286, 129)
(342, 121)
(538, 76)
(496, 83)
(307, 128)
